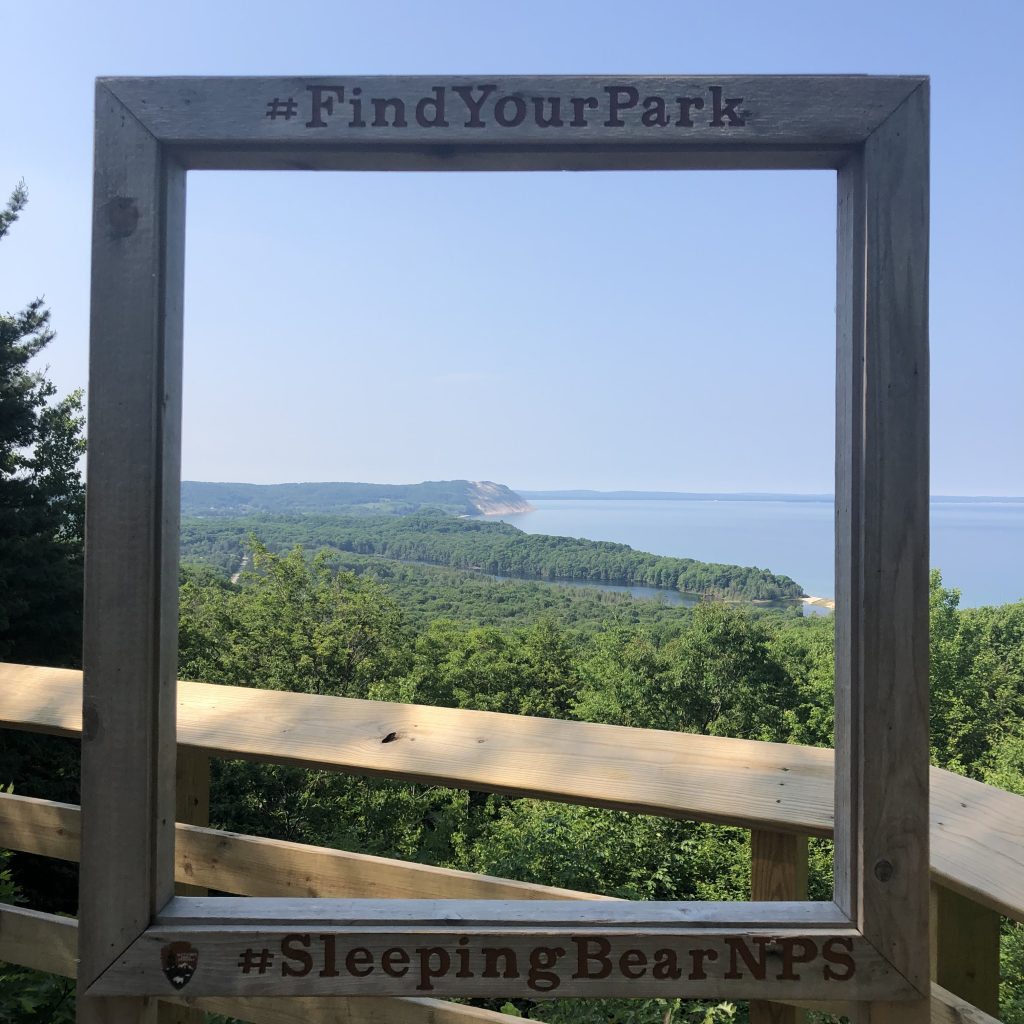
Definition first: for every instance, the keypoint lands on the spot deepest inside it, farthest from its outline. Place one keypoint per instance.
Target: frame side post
(891, 694)
(132, 522)
(850, 284)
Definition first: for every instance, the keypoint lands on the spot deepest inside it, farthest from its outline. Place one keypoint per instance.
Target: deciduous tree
(42, 496)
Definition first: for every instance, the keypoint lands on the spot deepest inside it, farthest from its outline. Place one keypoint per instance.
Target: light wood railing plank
(254, 866)
(977, 831)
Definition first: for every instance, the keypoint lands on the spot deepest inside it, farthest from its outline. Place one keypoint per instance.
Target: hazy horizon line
(615, 492)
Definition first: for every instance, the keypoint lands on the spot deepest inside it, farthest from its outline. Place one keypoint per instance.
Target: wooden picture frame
(868, 946)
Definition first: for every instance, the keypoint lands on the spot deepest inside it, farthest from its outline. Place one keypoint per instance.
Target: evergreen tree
(42, 496)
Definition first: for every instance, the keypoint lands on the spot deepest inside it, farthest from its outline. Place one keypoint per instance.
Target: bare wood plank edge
(580, 962)
(255, 866)
(977, 831)
(850, 269)
(521, 158)
(455, 914)
(892, 684)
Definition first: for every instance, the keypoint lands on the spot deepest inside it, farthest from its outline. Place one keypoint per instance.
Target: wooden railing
(781, 792)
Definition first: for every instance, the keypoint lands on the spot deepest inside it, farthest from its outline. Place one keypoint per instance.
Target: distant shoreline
(820, 602)
(585, 495)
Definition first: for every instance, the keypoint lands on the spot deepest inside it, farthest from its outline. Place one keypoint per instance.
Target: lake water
(672, 597)
(978, 545)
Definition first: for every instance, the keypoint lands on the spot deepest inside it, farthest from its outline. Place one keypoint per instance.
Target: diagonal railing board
(364, 1010)
(946, 1008)
(977, 831)
(46, 942)
(254, 866)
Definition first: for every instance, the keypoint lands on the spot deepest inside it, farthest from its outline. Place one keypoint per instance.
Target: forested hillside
(495, 548)
(300, 624)
(349, 622)
(458, 497)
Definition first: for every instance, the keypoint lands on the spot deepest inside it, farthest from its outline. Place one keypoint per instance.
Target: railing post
(778, 871)
(192, 807)
(965, 948)
(192, 798)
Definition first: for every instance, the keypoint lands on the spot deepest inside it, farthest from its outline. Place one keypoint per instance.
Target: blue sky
(668, 331)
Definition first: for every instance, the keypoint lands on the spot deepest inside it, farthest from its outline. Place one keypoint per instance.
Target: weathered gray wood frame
(149, 133)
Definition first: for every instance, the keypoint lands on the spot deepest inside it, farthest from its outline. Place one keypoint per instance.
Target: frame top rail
(512, 122)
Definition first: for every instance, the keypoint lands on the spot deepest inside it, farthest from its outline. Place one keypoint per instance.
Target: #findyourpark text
(485, 105)
(577, 959)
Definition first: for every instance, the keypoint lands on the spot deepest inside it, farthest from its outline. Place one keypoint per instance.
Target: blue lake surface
(978, 545)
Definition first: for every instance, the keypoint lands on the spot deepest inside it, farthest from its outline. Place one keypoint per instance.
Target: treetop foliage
(42, 496)
(337, 623)
(720, 670)
(494, 548)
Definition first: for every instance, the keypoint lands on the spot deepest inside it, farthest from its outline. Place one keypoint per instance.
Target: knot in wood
(122, 216)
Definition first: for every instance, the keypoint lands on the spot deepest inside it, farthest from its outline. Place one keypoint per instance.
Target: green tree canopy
(42, 496)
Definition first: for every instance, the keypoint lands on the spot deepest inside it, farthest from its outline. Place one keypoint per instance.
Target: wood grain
(521, 915)
(793, 120)
(44, 942)
(192, 806)
(778, 866)
(363, 1010)
(890, 695)
(253, 866)
(47, 942)
(977, 831)
(850, 284)
(965, 948)
(778, 871)
(453, 957)
(131, 548)
(946, 1008)
(149, 130)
